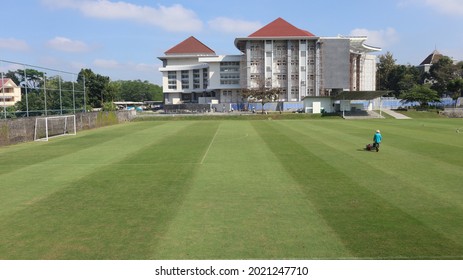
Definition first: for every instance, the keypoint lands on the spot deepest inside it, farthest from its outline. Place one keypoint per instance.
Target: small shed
(342, 102)
(318, 104)
(346, 98)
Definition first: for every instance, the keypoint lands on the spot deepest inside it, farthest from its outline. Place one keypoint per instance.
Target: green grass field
(228, 189)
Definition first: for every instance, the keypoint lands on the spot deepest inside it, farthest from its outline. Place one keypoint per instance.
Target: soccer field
(227, 189)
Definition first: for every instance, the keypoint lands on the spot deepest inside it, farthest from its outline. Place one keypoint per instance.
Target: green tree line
(56, 95)
(445, 78)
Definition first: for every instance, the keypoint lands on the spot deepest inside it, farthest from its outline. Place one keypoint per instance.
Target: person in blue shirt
(377, 140)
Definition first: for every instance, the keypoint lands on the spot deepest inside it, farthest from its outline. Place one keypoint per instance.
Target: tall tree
(13, 75)
(455, 86)
(95, 87)
(138, 91)
(397, 78)
(403, 78)
(442, 72)
(385, 67)
(31, 82)
(261, 94)
(422, 94)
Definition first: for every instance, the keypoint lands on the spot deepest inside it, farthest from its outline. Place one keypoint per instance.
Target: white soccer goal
(55, 126)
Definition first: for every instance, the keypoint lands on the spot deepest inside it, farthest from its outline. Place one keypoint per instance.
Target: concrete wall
(368, 76)
(326, 104)
(13, 131)
(335, 60)
(453, 112)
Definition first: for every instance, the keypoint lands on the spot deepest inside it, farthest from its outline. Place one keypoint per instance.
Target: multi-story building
(10, 93)
(279, 55)
(193, 73)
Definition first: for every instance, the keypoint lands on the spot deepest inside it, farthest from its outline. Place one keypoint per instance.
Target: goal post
(48, 127)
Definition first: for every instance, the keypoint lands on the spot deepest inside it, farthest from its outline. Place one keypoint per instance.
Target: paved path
(395, 114)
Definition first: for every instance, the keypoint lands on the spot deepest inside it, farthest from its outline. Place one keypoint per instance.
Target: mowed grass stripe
(414, 164)
(368, 224)
(45, 174)
(265, 189)
(244, 205)
(117, 212)
(424, 186)
(437, 139)
(419, 165)
(22, 155)
(416, 184)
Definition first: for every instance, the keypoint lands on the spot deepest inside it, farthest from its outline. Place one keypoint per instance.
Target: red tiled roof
(281, 28)
(190, 46)
(4, 81)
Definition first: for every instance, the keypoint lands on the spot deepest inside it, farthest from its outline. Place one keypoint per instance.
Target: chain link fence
(28, 90)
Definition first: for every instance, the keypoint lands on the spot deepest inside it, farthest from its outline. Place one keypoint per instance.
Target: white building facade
(279, 55)
(10, 93)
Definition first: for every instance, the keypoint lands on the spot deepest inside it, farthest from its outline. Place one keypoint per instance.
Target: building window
(186, 96)
(280, 49)
(281, 77)
(255, 47)
(281, 62)
(172, 75)
(196, 79)
(230, 73)
(294, 90)
(229, 79)
(230, 66)
(185, 79)
(172, 79)
(205, 78)
(294, 48)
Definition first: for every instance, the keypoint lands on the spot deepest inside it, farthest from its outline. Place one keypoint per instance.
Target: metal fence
(43, 91)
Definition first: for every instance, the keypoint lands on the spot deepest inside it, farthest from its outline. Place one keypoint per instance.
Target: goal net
(49, 127)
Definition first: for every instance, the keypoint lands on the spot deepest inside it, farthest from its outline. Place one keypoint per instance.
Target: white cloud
(448, 7)
(378, 38)
(172, 18)
(107, 63)
(13, 44)
(67, 45)
(128, 66)
(229, 25)
(127, 70)
(143, 67)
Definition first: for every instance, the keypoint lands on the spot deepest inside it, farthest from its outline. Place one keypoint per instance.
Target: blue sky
(122, 39)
